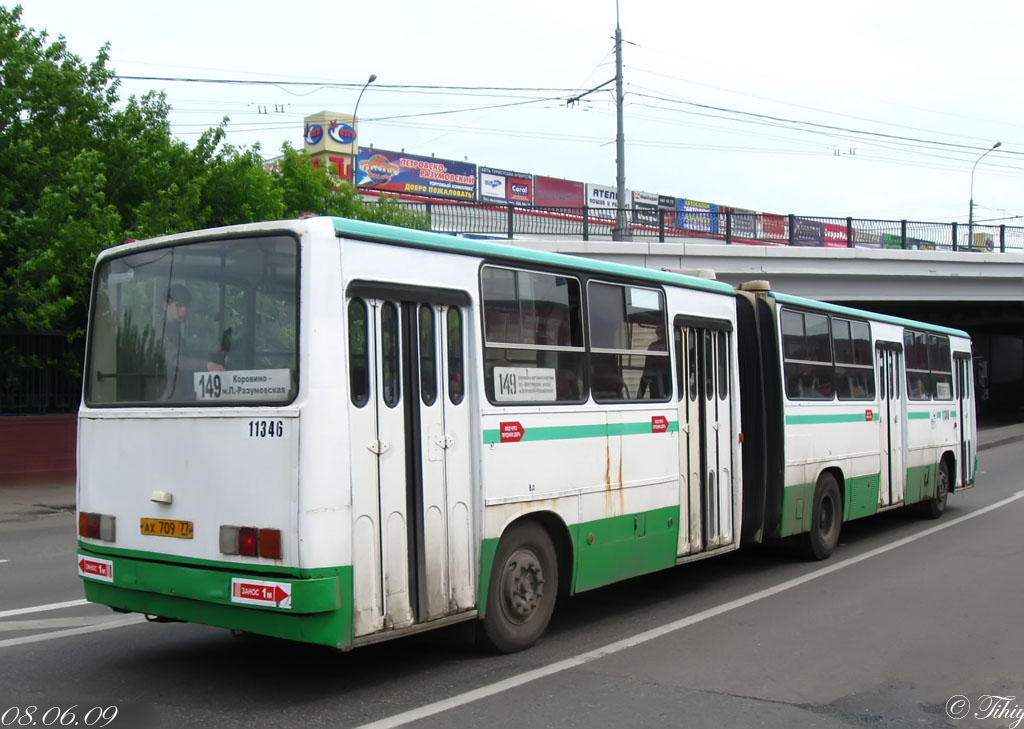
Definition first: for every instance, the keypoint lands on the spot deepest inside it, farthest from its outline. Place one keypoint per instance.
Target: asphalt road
(905, 615)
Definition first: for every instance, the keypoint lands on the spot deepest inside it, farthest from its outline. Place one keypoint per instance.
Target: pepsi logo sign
(314, 133)
(341, 133)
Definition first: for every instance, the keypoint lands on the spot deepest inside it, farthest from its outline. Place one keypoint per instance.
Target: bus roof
(490, 249)
(870, 315)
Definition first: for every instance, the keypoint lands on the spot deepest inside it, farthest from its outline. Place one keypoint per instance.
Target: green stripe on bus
(918, 416)
(570, 432)
(860, 417)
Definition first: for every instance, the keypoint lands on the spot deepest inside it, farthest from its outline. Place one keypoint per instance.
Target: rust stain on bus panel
(607, 463)
(622, 491)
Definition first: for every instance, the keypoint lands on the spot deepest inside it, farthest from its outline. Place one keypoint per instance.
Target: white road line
(10, 626)
(507, 684)
(42, 608)
(117, 623)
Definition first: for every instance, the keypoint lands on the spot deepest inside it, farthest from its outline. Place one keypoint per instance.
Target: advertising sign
(835, 235)
(808, 232)
(645, 208)
(603, 201)
(411, 174)
(698, 217)
(743, 222)
(864, 239)
(502, 186)
(329, 131)
(668, 204)
(550, 192)
(774, 228)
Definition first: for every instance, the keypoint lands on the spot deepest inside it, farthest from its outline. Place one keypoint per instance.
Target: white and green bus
(341, 432)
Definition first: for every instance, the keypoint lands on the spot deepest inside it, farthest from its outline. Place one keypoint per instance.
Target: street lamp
(355, 123)
(970, 215)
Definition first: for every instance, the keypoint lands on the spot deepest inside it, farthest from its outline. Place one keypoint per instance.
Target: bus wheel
(524, 584)
(933, 507)
(826, 519)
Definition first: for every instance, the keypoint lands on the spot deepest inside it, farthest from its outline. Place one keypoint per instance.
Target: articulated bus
(340, 432)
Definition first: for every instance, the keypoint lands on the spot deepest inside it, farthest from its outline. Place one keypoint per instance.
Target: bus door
(705, 444)
(965, 420)
(892, 415)
(411, 458)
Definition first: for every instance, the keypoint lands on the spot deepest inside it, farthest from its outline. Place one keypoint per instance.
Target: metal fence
(509, 221)
(38, 373)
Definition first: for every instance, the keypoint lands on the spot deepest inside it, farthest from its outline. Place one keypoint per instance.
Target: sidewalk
(19, 503)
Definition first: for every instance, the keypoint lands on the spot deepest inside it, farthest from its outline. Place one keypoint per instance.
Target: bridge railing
(665, 225)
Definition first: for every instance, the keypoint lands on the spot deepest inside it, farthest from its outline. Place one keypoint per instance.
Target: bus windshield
(203, 323)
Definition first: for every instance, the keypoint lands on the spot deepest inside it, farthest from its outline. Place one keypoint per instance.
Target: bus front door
(965, 419)
(411, 465)
(892, 415)
(705, 443)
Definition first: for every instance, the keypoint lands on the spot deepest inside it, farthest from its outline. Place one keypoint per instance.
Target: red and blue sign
(314, 133)
(341, 133)
(412, 174)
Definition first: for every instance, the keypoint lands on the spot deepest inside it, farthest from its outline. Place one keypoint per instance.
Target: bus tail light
(96, 526)
(250, 541)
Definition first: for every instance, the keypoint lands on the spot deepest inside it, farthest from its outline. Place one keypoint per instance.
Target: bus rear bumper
(313, 607)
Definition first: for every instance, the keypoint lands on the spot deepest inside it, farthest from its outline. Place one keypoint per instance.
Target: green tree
(78, 174)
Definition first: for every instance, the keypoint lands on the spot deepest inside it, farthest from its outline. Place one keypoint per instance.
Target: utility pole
(621, 230)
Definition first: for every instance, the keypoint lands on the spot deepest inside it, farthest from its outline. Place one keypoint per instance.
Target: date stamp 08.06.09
(58, 716)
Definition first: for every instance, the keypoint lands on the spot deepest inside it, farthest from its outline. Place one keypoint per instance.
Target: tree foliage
(81, 171)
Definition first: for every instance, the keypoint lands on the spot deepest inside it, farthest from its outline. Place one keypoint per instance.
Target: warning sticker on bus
(234, 385)
(524, 384)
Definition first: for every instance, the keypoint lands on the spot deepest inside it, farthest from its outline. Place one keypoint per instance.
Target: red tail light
(248, 540)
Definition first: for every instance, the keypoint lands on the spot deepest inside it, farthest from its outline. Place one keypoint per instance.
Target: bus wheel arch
(935, 506)
(532, 566)
(826, 515)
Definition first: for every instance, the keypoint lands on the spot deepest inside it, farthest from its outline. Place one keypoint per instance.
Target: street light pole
(621, 231)
(355, 123)
(970, 215)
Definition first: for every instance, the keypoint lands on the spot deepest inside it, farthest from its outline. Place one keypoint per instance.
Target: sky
(874, 109)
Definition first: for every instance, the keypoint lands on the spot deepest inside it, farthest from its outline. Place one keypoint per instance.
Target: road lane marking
(512, 682)
(9, 626)
(116, 623)
(42, 608)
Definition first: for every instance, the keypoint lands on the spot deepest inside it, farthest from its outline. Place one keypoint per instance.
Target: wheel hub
(523, 585)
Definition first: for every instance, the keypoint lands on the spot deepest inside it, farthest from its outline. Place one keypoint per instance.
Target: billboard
(774, 228)
(668, 204)
(698, 217)
(743, 222)
(502, 186)
(412, 174)
(645, 208)
(603, 201)
(835, 236)
(550, 192)
(808, 232)
(864, 239)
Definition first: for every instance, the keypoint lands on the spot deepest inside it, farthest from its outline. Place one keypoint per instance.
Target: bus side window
(358, 354)
(456, 381)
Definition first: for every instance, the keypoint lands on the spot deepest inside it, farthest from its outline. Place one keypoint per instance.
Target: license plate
(166, 528)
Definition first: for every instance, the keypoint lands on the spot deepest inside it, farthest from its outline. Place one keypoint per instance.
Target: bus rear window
(208, 323)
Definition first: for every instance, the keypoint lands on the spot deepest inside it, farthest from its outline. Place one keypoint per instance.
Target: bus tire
(826, 519)
(933, 507)
(523, 588)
